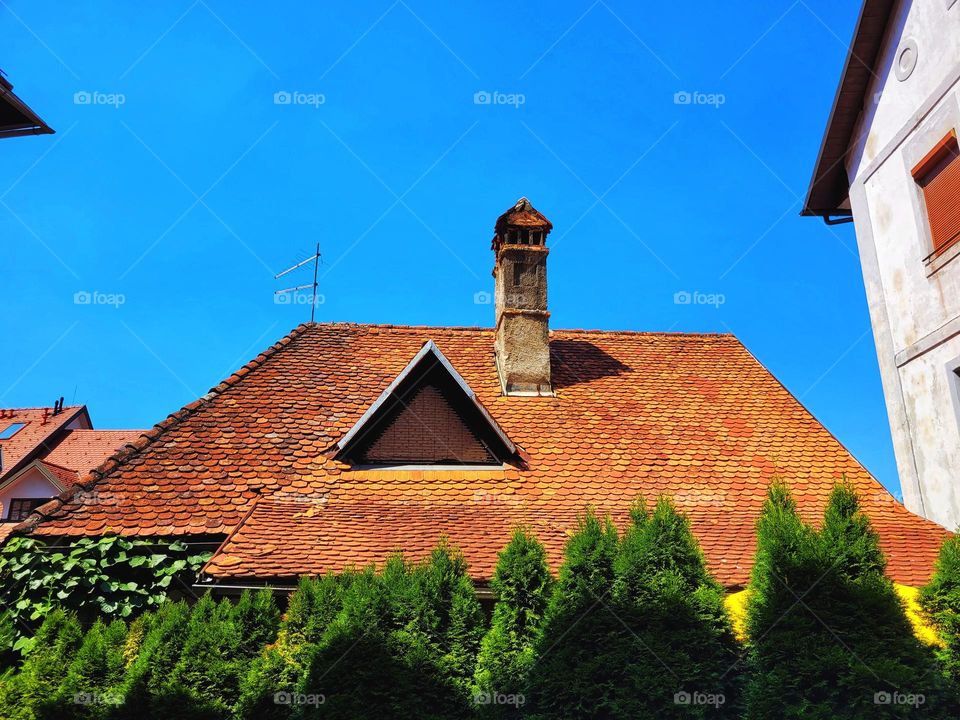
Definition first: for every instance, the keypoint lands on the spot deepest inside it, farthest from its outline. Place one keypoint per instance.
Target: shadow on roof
(577, 361)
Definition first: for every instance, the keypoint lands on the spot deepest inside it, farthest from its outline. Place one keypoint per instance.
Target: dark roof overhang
(16, 118)
(829, 186)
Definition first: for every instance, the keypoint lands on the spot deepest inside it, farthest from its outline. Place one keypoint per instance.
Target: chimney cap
(522, 214)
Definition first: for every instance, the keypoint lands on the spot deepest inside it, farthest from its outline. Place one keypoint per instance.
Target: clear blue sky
(183, 186)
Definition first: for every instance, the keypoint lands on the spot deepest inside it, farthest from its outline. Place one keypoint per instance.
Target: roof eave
(31, 124)
(830, 169)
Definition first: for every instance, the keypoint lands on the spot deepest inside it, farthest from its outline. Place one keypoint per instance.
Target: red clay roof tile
(635, 414)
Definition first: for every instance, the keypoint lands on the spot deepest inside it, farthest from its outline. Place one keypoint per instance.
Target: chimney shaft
(522, 342)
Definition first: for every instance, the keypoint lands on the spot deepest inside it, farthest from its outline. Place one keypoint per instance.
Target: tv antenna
(315, 259)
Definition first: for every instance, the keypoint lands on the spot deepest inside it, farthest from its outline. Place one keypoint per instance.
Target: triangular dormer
(427, 416)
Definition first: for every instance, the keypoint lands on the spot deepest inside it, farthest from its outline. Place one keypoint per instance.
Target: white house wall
(31, 484)
(915, 307)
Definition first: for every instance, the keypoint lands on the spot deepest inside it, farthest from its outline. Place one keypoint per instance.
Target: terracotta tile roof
(67, 477)
(635, 414)
(6, 529)
(83, 450)
(318, 537)
(39, 425)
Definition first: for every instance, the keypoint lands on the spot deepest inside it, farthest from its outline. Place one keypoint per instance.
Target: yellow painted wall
(737, 607)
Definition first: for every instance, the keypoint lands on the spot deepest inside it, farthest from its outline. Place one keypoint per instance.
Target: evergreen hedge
(39, 677)
(522, 585)
(828, 635)
(634, 627)
(278, 672)
(403, 644)
(679, 652)
(940, 600)
(575, 674)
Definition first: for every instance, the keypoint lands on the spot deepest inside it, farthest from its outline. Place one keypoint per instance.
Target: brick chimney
(522, 324)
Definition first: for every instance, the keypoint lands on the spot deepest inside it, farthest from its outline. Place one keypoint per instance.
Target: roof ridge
(148, 437)
(56, 465)
(43, 407)
(478, 328)
(107, 430)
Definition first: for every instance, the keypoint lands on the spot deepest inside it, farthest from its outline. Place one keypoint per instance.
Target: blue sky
(180, 182)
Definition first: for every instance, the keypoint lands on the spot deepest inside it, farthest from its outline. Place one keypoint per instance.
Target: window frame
(18, 426)
(947, 145)
(33, 504)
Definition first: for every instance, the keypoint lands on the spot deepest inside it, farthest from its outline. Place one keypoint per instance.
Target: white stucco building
(890, 160)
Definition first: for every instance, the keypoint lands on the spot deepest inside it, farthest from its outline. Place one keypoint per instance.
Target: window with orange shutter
(938, 176)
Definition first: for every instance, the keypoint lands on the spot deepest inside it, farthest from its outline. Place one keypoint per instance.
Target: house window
(10, 430)
(20, 508)
(938, 176)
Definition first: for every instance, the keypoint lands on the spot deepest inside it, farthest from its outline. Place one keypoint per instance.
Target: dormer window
(428, 416)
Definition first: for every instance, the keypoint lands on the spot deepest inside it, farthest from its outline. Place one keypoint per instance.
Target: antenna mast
(316, 257)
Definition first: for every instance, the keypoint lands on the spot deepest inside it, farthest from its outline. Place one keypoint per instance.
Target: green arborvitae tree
(279, 670)
(940, 600)
(89, 689)
(352, 673)
(53, 648)
(8, 636)
(828, 635)
(679, 655)
(447, 621)
(403, 645)
(522, 585)
(205, 682)
(257, 618)
(147, 675)
(573, 676)
(136, 635)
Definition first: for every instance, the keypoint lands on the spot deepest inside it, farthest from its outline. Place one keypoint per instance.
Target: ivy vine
(106, 577)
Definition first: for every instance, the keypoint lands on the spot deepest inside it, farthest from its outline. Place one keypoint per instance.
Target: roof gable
(60, 478)
(428, 414)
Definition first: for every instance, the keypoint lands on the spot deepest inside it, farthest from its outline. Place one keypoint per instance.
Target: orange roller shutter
(938, 175)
